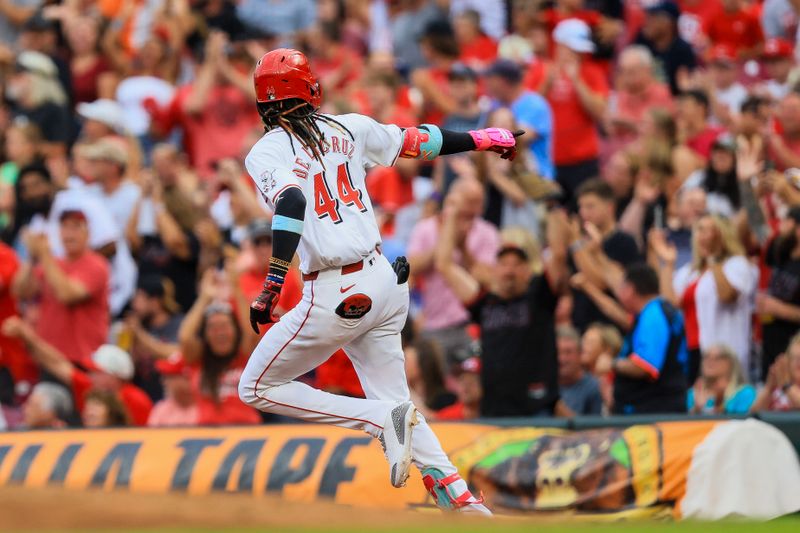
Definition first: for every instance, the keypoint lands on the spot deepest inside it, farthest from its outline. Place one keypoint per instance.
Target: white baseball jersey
(340, 226)
(362, 311)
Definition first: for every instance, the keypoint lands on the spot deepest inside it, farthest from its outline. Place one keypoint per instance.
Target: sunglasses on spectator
(262, 241)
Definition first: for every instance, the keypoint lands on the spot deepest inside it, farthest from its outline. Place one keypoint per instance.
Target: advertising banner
(604, 472)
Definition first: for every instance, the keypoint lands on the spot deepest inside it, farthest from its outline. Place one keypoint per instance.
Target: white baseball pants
(306, 337)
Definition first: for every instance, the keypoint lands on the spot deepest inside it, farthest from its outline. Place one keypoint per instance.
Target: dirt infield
(58, 509)
(86, 511)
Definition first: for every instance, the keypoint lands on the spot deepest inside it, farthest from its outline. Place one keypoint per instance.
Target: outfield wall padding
(697, 469)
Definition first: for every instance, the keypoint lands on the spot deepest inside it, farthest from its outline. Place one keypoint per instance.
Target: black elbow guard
(291, 203)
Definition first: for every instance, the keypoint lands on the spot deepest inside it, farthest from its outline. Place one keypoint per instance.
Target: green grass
(783, 525)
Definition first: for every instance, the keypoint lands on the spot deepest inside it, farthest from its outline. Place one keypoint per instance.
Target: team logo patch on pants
(355, 306)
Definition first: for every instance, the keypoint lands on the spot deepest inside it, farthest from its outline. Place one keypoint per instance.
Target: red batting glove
(262, 310)
(498, 140)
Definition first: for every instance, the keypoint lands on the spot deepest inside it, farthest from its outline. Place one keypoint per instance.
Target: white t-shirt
(130, 94)
(340, 226)
(120, 202)
(732, 97)
(721, 323)
(775, 89)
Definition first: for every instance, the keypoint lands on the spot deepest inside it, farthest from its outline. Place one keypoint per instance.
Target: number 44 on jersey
(325, 205)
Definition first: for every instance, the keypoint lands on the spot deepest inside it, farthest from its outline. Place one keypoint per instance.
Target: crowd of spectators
(640, 255)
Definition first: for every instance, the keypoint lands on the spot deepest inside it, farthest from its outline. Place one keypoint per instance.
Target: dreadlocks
(299, 119)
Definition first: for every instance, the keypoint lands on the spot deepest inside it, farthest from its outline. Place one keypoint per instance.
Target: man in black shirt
(780, 306)
(660, 35)
(517, 320)
(601, 244)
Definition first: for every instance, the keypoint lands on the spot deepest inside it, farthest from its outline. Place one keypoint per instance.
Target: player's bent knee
(247, 390)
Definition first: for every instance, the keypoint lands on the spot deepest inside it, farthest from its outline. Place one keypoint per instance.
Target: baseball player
(310, 167)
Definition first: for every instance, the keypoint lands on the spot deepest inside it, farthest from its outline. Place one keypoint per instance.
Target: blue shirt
(738, 404)
(657, 345)
(650, 340)
(532, 112)
(278, 17)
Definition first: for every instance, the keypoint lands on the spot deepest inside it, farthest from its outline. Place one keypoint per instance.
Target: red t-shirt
(479, 53)
(701, 143)
(387, 188)
(12, 351)
(338, 375)
(76, 330)
(451, 412)
(575, 137)
(791, 144)
(228, 409)
(134, 398)
(217, 132)
(84, 83)
(740, 30)
(696, 16)
(689, 306)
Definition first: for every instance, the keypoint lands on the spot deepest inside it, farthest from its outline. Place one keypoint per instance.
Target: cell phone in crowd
(658, 217)
(147, 218)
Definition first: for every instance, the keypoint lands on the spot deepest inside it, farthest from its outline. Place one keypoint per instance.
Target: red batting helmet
(285, 73)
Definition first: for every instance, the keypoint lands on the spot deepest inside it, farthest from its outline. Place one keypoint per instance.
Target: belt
(346, 269)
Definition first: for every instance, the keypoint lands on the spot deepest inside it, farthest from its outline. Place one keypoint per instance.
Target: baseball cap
(725, 141)
(723, 54)
(471, 350)
(72, 213)
(575, 34)
(105, 111)
(160, 287)
(775, 48)
(174, 365)
(666, 7)
(106, 150)
(506, 69)
(437, 27)
(38, 23)
(259, 228)
(460, 71)
(515, 48)
(36, 63)
(113, 360)
(510, 248)
(471, 366)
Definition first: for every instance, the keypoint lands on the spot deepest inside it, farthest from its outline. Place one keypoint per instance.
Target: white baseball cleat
(396, 441)
(475, 508)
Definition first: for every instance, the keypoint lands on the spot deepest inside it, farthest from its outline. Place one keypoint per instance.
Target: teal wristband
(282, 223)
(430, 149)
